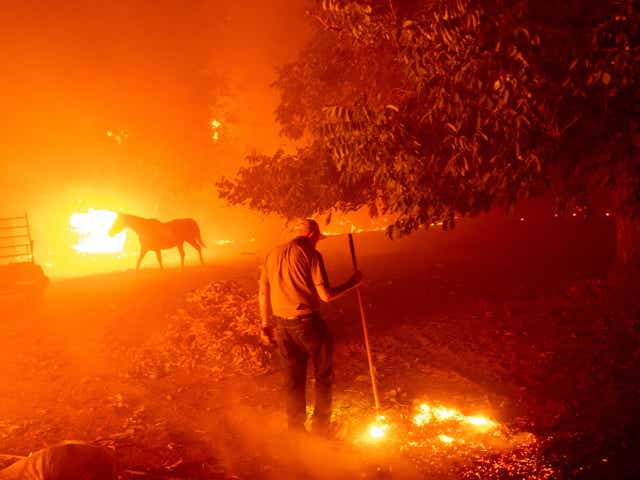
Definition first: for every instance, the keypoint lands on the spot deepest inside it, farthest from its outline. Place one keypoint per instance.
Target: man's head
(308, 228)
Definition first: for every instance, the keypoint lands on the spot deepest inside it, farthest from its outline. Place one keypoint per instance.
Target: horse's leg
(159, 257)
(181, 250)
(194, 244)
(143, 252)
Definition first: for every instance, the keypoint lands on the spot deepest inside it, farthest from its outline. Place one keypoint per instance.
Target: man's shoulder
(278, 251)
(296, 247)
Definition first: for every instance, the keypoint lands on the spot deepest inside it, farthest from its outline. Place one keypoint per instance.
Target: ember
(427, 414)
(92, 228)
(378, 428)
(377, 431)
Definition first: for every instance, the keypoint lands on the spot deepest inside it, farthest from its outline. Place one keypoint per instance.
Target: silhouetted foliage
(429, 110)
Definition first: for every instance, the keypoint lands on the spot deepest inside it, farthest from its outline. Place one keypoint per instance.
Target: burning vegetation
(216, 332)
(93, 228)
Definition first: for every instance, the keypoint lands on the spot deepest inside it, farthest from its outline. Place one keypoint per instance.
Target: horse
(157, 236)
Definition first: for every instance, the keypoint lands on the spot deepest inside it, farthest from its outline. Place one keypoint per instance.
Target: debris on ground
(217, 331)
(65, 461)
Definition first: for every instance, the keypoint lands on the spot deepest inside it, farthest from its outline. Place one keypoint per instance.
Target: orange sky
(160, 71)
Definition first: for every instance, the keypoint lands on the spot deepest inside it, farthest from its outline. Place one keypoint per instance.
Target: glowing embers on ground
(442, 442)
(440, 439)
(428, 414)
(377, 429)
(453, 421)
(456, 426)
(92, 228)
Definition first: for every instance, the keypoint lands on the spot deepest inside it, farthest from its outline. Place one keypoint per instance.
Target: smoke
(110, 106)
(259, 440)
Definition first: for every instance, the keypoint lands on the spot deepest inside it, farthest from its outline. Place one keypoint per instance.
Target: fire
(479, 421)
(427, 414)
(443, 413)
(215, 125)
(377, 431)
(378, 428)
(347, 226)
(92, 228)
(445, 439)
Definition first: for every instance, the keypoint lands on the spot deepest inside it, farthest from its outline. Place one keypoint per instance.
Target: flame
(479, 421)
(445, 439)
(92, 228)
(426, 414)
(118, 136)
(347, 226)
(377, 431)
(443, 413)
(215, 125)
(378, 428)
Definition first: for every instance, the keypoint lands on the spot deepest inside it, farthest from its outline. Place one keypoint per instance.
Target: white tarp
(65, 461)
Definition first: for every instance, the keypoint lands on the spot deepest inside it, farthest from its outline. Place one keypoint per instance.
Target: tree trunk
(627, 261)
(626, 202)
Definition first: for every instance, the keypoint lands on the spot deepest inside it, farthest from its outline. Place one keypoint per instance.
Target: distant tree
(595, 76)
(428, 110)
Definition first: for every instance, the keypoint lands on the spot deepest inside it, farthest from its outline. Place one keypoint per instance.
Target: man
(292, 283)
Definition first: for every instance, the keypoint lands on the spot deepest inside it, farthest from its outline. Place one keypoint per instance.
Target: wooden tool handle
(353, 252)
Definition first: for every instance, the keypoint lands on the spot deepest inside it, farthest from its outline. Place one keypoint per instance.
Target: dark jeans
(299, 340)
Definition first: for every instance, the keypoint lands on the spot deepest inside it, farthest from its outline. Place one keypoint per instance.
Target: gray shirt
(292, 272)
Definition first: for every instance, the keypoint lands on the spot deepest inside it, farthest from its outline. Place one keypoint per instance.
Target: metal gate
(16, 244)
(19, 274)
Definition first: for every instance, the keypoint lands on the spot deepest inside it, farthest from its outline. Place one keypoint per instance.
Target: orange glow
(378, 428)
(377, 431)
(479, 421)
(345, 226)
(119, 137)
(445, 439)
(92, 228)
(427, 414)
(443, 413)
(215, 125)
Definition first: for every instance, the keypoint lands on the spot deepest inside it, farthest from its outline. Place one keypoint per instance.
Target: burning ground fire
(439, 439)
(427, 414)
(92, 228)
(433, 415)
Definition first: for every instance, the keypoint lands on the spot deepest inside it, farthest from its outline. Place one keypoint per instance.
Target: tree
(599, 97)
(425, 111)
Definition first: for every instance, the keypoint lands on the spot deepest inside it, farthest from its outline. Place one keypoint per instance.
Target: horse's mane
(136, 217)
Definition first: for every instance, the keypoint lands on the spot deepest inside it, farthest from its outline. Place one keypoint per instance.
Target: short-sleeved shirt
(292, 272)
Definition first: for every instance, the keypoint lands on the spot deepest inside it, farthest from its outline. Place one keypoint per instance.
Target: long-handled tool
(372, 370)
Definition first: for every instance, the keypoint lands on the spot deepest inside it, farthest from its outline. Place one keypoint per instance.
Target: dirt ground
(522, 333)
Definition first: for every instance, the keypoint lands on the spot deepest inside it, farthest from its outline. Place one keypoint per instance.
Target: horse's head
(118, 225)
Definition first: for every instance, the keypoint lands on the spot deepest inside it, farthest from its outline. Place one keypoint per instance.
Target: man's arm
(327, 293)
(264, 300)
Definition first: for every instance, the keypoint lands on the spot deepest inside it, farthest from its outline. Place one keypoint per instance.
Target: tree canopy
(426, 110)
